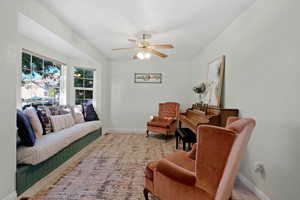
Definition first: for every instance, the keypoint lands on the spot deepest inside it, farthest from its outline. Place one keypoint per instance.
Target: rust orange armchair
(166, 121)
(207, 172)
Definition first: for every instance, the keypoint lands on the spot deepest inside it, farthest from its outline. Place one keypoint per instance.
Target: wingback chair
(207, 172)
(166, 121)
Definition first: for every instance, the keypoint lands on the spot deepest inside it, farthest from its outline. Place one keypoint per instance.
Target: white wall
(8, 63)
(262, 80)
(132, 104)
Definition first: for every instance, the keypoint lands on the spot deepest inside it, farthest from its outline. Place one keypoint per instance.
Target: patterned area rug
(113, 169)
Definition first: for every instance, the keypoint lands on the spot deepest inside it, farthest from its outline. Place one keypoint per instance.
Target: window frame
(61, 65)
(93, 89)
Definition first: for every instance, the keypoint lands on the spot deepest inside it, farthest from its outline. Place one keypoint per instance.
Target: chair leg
(146, 194)
(147, 132)
(166, 137)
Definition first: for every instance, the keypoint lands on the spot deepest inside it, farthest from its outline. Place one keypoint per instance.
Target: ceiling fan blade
(131, 40)
(123, 48)
(157, 53)
(162, 46)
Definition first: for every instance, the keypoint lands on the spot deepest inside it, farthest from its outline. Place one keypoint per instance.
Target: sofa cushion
(60, 122)
(162, 122)
(48, 145)
(25, 130)
(35, 121)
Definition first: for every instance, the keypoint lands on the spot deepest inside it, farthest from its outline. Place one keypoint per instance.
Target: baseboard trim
(11, 196)
(126, 130)
(260, 194)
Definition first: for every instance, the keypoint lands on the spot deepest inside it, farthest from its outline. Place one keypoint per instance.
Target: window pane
(48, 67)
(78, 82)
(37, 67)
(42, 85)
(57, 69)
(88, 94)
(53, 69)
(85, 101)
(26, 69)
(89, 74)
(88, 83)
(79, 94)
(79, 73)
(78, 101)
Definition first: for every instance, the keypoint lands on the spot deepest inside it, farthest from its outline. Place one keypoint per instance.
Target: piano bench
(186, 136)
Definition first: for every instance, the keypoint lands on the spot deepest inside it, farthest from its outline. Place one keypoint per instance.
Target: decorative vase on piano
(201, 91)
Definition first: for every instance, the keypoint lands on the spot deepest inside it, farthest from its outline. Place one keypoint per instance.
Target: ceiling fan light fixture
(145, 50)
(147, 55)
(140, 55)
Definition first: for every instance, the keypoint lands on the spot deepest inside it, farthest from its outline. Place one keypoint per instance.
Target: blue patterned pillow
(25, 130)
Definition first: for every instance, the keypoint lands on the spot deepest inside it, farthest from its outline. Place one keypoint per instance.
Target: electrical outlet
(259, 167)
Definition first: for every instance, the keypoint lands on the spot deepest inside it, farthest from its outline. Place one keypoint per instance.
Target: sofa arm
(176, 172)
(192, 153)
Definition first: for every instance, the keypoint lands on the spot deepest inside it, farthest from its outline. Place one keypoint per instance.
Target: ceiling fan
(145, 49)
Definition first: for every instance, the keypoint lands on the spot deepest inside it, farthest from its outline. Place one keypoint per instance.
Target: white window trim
(94, 100)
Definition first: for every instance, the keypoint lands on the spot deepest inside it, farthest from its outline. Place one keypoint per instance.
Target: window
(40, 80)
(84, 85)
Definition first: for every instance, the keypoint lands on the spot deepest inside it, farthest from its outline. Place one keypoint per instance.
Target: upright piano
(200, 114)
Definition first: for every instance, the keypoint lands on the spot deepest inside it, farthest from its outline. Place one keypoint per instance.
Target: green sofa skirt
(28, 175)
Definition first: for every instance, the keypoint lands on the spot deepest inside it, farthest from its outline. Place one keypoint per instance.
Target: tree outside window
(41, 80)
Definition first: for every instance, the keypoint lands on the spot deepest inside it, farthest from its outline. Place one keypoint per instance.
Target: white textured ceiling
(189, 25)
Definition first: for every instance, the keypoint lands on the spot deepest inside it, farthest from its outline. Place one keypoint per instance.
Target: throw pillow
(25, 130)
(77, 114)
(54, 110)
(35, 122)
(64, 109)
(18, 139)
(44, 113)
(89, 112)
(60, 122)
(78, 118)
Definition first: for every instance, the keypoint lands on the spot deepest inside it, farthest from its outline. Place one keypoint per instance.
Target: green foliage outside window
(40, 80)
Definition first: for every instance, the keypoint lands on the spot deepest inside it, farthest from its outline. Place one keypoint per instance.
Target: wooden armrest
(176, 172)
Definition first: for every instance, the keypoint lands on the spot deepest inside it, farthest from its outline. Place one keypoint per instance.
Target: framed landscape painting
(148, 78)
(214, 83)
